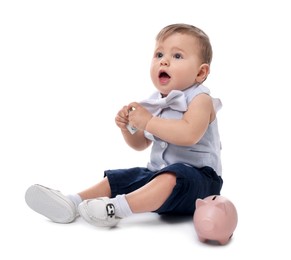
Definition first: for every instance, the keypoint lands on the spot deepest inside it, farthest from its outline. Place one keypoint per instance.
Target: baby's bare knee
(169, 178)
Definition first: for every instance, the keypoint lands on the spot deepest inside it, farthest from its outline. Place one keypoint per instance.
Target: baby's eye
(159, 55)
(177, 56)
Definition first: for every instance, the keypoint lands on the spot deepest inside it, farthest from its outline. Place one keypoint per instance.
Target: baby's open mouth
(164, 78)
(164, 75)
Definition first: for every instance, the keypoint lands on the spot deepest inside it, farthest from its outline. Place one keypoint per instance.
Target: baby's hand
(121, 118)
(138, 116)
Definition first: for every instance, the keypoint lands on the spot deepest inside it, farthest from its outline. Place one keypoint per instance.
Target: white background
(67, 67)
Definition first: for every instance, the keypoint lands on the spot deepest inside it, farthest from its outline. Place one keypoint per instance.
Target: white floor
(67, 67)
(144, 236)
(263, 229)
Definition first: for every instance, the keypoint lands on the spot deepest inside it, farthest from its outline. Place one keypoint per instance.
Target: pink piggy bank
(215, 219)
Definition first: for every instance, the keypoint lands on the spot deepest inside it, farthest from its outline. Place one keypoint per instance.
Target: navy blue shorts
(191, 183)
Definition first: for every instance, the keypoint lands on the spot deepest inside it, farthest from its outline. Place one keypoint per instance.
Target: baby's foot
(51, 204)
(99, 212)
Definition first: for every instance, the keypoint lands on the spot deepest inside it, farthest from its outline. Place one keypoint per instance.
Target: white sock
(75, 198)
(122, 208)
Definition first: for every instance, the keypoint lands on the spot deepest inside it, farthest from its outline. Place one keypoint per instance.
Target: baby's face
(176, 63)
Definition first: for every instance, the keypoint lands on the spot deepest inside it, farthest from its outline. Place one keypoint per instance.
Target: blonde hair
(202, 38)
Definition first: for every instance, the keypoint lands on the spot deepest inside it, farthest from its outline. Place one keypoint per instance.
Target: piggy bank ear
(221, 205)
(200, 202)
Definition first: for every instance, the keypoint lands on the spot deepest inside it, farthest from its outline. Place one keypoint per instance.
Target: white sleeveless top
(204, 153)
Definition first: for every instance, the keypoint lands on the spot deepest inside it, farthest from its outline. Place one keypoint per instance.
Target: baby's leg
(107, 212)
(101, 189)
(153, 195)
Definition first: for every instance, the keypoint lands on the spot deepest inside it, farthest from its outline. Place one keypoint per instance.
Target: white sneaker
(51, 203)
(99, 212)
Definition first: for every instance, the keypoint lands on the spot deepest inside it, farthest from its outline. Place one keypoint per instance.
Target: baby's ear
(203, 72)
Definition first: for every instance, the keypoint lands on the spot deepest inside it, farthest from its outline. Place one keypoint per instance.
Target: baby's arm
(136, 141)
(188, 130)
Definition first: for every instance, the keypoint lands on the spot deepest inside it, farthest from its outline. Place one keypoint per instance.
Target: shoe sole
(50, 204)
